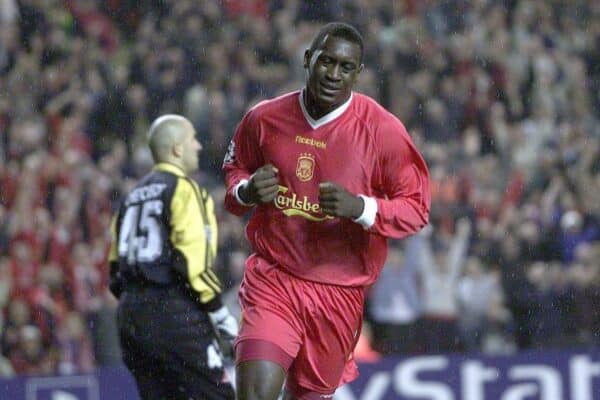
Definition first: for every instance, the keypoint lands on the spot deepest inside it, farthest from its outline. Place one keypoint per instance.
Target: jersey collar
(166, 167)
(316, 123)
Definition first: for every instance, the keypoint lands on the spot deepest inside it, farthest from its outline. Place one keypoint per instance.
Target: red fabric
(24, 275)
(315, 324)
(100, 257)
(446, 191)
(235, 8)
(59, 246)
(41, 364)
(54, 306)
(366, 150)
(8, 186)
(96, 24)
(81, 142)
(65, 134)
(54, 123)
(45, 313)
(35, 242)
(97, 210)
(514, 190)
(254, 349)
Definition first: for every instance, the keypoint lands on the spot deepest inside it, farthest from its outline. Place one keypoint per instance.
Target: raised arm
(457, 254)
(419, 252)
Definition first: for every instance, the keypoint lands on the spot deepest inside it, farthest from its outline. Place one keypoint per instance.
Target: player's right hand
(262, 186)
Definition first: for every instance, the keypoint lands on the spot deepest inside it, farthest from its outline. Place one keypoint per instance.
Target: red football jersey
(359, 146)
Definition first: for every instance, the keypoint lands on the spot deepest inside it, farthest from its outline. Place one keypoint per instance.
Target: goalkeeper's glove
(226, 329)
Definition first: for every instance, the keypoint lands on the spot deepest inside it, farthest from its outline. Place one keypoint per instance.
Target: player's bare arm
(338, 202)
(262, 186)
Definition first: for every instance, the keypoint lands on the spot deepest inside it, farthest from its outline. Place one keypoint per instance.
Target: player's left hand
(338, 202)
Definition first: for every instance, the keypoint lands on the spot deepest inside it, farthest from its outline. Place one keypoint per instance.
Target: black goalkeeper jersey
(165, 233)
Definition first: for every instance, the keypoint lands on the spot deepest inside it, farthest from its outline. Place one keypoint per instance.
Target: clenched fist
(338, 202)
(262, 186)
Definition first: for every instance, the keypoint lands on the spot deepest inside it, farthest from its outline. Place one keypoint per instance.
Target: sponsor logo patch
(292, 205)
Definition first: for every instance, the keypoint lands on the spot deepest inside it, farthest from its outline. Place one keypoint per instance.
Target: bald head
(165, 132)
(172, 139)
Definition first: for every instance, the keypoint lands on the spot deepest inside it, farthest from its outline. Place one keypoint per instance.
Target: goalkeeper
(173, 328)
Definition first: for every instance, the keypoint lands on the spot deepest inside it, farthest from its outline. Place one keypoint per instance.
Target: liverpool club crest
(305, 167)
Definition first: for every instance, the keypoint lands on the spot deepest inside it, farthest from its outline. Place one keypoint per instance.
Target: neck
(313, 109)
(173, 162)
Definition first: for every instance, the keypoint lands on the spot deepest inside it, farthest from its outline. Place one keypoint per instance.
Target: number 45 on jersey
(140, 238)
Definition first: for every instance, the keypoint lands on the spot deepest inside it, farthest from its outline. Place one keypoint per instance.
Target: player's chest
(343, 155)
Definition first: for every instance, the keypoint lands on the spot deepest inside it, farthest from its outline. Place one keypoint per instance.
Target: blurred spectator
(441, 265)
(75, 346)
(31, 357)
(6, 368)
(5, 282)
(497, 335)
(394, 304)
(477, 290)
(18, 315)
(87, 281)
(23, 269)
(546, 315)
(517, 288)
(573, 233)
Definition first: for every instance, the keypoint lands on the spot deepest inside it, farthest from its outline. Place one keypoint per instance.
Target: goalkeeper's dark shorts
(169, 346)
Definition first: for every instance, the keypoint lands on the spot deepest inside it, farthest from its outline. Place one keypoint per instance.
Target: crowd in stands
(502, 98)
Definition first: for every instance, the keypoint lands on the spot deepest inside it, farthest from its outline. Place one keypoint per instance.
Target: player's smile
(329, 90)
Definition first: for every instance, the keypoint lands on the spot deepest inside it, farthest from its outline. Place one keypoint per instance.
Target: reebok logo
(319, 144)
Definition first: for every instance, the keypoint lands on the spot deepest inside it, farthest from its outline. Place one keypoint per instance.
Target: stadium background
(502, 98)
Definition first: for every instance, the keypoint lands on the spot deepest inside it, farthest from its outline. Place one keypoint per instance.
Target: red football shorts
(308, 328)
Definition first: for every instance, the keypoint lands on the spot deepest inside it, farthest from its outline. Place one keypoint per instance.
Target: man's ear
(306, 58)
(177, 150)
(358, 71)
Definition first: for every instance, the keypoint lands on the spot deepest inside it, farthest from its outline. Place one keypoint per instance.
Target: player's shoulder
(369, 110)
(367, 106)
(276, 105)
(387, 131)
(161, 177)
(153, 179)
(155, 184)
